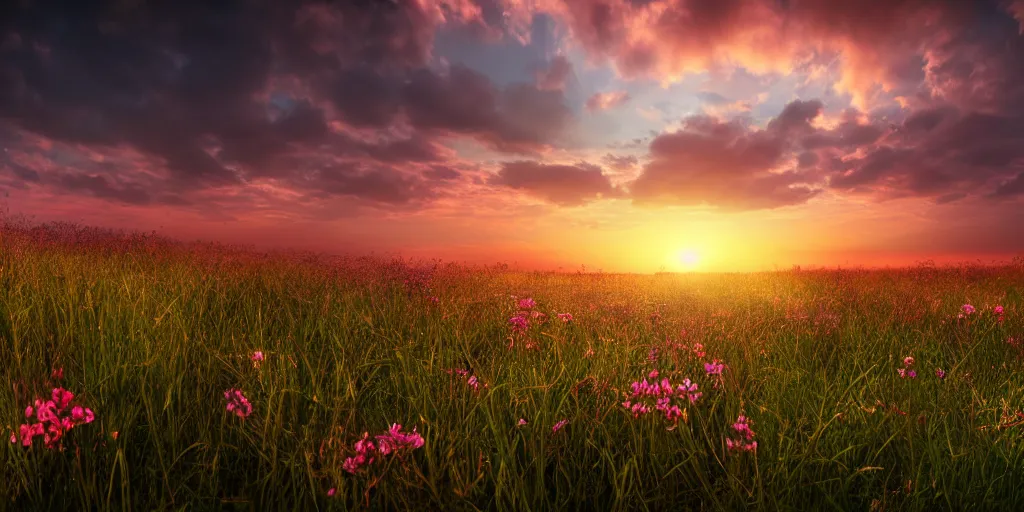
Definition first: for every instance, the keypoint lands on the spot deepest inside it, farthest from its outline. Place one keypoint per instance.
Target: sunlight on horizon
(688, 259)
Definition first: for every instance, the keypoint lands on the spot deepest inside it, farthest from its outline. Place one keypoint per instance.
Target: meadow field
(145, 374)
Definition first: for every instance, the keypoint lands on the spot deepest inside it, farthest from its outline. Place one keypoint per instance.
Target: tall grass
(151, 332)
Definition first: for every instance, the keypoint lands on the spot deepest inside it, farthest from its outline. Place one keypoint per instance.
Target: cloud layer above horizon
(275, 112)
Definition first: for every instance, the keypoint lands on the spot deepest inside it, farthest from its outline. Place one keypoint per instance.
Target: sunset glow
(620, 135)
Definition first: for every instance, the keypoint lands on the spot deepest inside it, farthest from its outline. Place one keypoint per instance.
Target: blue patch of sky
(506, 61)
(280, 104)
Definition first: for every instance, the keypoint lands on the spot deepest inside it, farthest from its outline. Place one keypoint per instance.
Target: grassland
(150, 333)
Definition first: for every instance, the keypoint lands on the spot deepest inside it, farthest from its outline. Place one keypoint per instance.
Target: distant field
(514, 407)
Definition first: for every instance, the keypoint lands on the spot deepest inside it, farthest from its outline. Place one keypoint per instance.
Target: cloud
(878, 43)
(606, 100)
(555, 75)
(944, 154)
(564, 185)
(518, 118)
(441, 173)
(1016, 8)
(220, 97)
(620, 163)
(939, 153)
(99, 186)
(728, 164)
(375, 183)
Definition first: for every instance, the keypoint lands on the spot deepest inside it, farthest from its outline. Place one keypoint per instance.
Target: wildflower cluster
(520, 322)
(744, 439)
(237, 403)
(55, 417)
(907, 372)
(391, 442)
(662, 393)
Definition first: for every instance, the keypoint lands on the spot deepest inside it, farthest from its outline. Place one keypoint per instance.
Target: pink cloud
(606, 100)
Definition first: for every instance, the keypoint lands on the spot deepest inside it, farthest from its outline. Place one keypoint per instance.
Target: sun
(689, 258)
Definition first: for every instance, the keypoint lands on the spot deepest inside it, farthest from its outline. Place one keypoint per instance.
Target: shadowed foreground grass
(150, 334)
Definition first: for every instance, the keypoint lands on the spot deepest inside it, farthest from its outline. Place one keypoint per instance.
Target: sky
(621, 135)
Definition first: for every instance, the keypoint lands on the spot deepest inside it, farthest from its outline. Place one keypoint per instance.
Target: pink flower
(689, 389)
(940, 373)
(998, 310)
(522, 422)
(26, 432)
(743, 427)
(968, 309)
(908, 361)
(257, 358)
(352, 464)
(519, 323)
(81, 415)
(330, 492)
(54, 432)
(395, 439)
(57, 374)
(714, 368)
(389, 442)
(653, 374)
(62, 397)
(527, 303)
(54, 419)
(46, 411)
(746, 436)
(652, 356)
(365, 445)
(558, 426)
(237, 403)
(565, 317)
